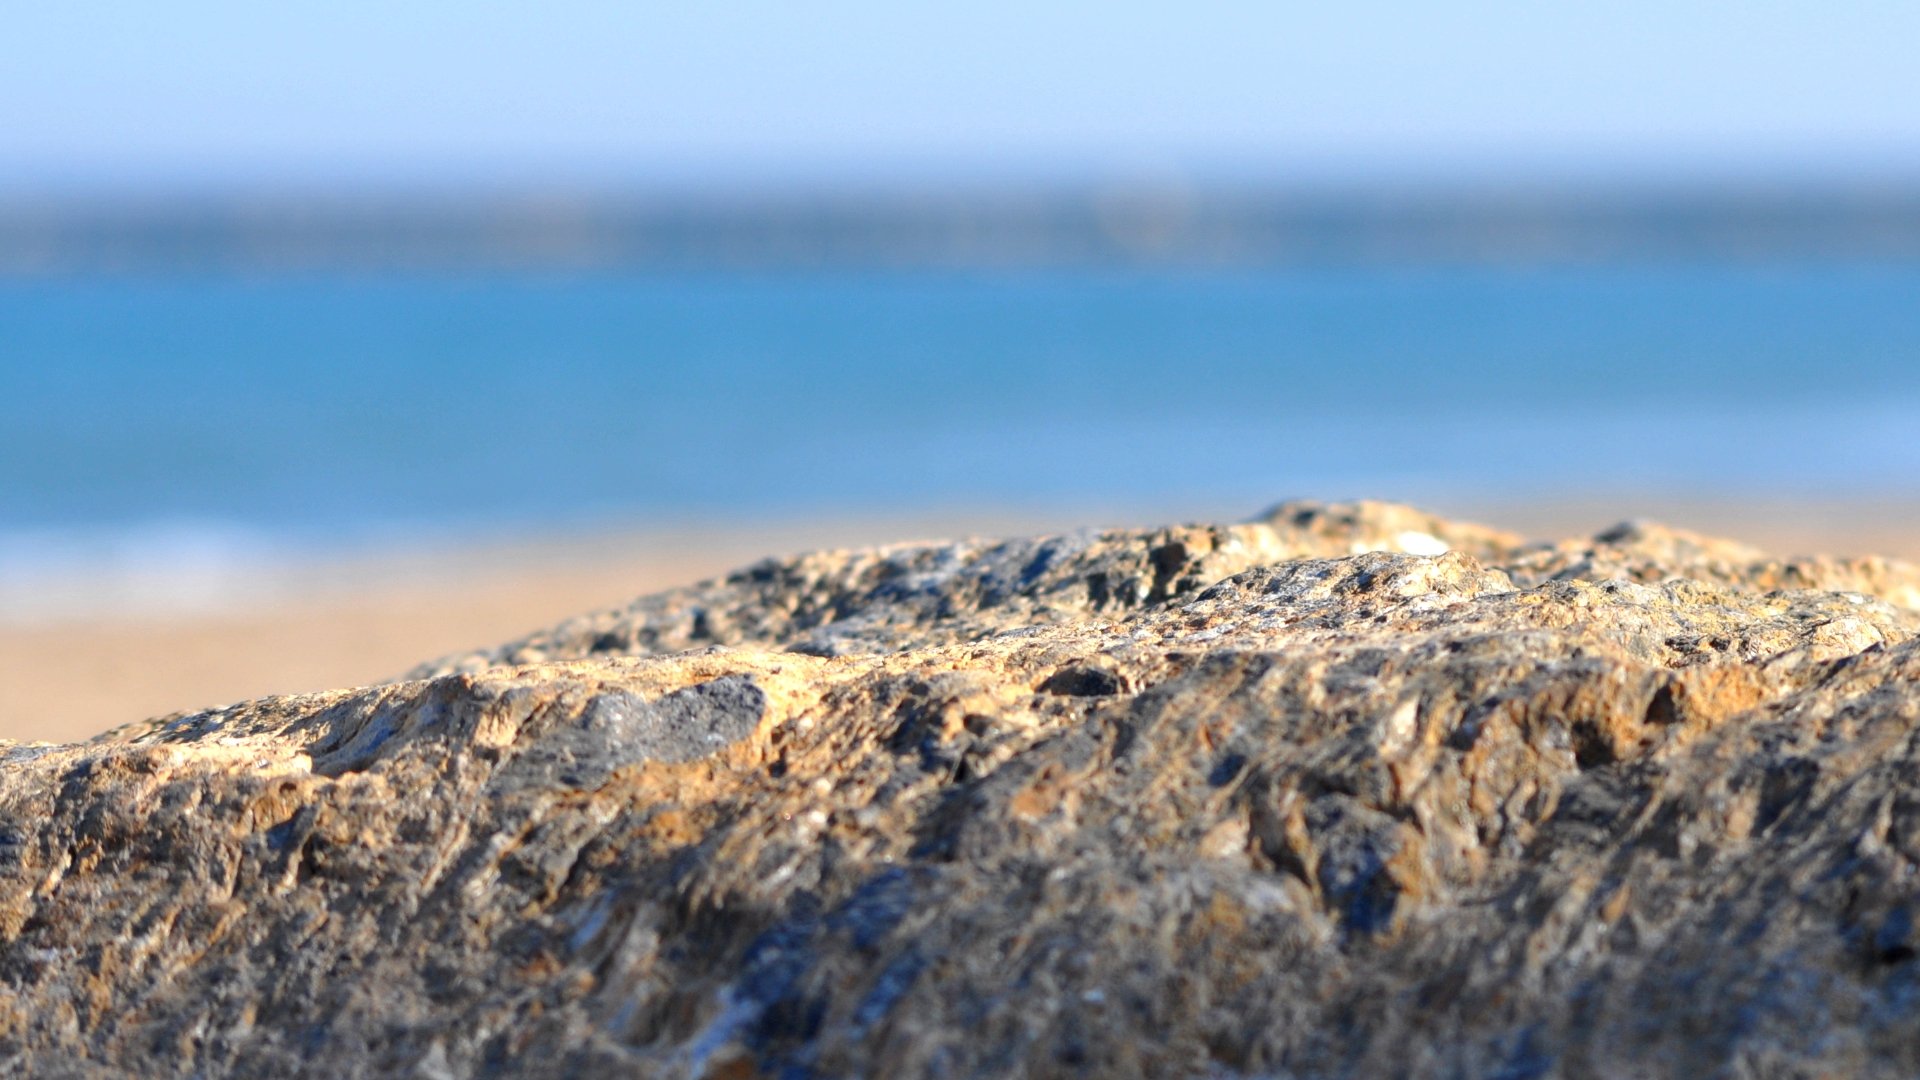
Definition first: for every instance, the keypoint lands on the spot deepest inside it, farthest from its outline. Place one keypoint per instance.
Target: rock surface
(1345, 791)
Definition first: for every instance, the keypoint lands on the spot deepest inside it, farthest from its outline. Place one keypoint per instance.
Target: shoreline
(369, 618)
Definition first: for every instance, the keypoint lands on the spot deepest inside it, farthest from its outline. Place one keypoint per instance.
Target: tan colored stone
(1278, 798)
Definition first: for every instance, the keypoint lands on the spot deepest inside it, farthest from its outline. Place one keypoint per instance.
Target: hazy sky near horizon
(218, 91)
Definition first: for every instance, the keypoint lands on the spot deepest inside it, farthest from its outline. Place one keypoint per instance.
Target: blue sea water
(319, 409)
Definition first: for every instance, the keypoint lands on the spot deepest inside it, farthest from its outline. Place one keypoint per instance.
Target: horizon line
(1000, 225)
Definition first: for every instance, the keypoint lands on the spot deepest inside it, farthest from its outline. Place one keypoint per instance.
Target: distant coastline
(975, 227)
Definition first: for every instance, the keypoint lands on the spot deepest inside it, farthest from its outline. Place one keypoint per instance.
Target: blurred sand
(68, 678)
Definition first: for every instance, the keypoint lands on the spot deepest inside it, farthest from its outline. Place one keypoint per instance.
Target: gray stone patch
(621, 728)
(685, 725)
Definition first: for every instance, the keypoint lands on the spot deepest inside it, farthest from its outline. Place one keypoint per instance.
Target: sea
(188, 422)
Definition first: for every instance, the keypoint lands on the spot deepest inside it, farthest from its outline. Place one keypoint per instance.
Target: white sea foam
(158, 568)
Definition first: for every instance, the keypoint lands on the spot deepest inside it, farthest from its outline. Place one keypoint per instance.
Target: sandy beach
(68, 677)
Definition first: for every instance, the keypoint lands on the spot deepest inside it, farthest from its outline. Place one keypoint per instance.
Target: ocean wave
(159, 567)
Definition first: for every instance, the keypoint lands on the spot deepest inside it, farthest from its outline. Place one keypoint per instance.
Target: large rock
(1345, 791)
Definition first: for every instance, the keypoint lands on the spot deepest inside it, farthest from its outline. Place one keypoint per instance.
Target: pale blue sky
(223, 91)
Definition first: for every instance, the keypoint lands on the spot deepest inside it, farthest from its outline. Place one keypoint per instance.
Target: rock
(1307, 796)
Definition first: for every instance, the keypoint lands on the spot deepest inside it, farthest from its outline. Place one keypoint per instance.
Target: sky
(219, 91)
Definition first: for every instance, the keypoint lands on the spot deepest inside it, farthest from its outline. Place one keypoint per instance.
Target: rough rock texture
(1310, 796)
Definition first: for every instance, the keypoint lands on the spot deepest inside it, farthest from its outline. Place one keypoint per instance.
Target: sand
(64, 678)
